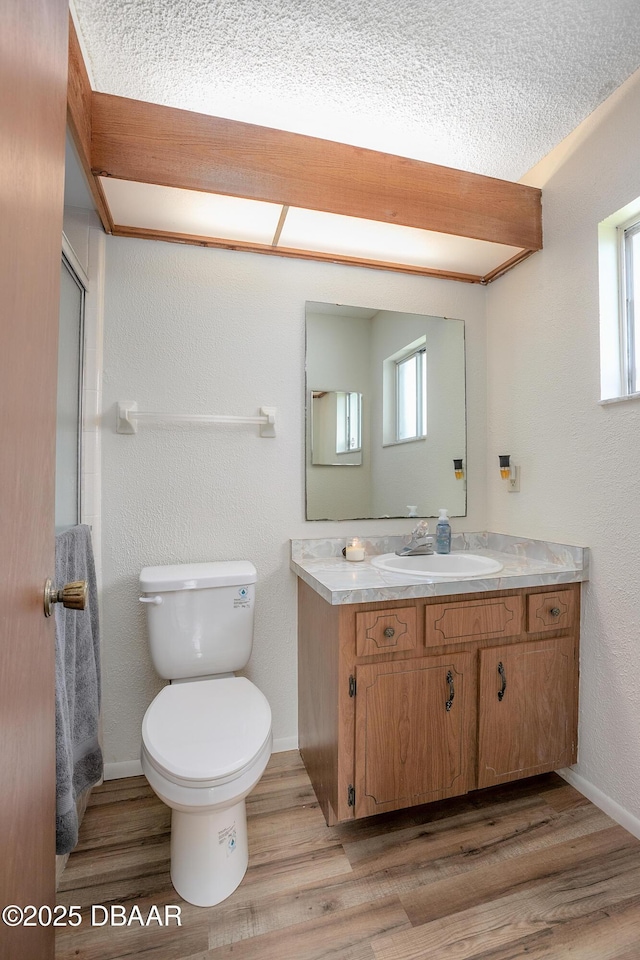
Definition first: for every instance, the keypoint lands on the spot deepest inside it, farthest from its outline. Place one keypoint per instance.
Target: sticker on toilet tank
(243, 599)
(228, 838)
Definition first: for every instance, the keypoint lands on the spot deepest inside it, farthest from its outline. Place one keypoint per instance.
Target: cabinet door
(414, 731)
(527, 714)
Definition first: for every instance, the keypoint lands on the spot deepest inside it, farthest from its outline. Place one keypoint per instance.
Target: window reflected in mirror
(336, 428)
(404, 393)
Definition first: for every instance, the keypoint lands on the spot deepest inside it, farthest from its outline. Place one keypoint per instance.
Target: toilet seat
(205, 733)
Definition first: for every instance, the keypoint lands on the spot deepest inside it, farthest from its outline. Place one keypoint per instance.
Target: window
(629, 291)
(411, 396)
(348, 422)
(619, 282)
(404, 377)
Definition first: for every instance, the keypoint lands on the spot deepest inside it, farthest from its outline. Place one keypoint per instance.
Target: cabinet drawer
(473, 620)
(550, 611)
(386, 631)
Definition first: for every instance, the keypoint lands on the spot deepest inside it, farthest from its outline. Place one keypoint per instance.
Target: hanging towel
(78, 753)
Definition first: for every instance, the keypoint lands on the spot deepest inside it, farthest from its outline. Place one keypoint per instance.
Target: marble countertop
(526, 563)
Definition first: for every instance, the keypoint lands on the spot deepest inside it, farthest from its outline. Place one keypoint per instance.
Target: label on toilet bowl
(228, 838)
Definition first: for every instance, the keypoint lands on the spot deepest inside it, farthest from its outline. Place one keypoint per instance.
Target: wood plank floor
(528, 869)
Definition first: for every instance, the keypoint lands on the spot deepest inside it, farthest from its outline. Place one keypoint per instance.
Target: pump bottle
(443, 533)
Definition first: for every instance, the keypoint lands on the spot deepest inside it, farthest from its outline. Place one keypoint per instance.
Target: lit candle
(354, 550)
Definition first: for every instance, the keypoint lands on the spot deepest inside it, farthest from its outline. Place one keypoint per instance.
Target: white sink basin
(440, 566)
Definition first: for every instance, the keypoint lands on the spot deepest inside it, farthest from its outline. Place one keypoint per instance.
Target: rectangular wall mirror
(386, 399)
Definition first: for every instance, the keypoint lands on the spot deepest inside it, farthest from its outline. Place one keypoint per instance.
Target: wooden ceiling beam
(79, 122)
(150, 143)
(78, 97)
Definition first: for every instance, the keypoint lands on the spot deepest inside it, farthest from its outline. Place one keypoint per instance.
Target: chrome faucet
(420, 543)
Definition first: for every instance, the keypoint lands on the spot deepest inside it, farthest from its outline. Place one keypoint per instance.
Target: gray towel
(78, 754)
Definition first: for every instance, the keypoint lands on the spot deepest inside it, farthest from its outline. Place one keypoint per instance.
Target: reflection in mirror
(402, 421)
(336, 428)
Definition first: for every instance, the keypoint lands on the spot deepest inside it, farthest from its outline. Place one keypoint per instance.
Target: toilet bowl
(206, 739)
(205, 745)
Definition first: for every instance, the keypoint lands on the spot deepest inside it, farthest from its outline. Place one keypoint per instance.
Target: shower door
(69, 401)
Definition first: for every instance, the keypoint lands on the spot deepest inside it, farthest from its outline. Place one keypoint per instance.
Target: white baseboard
(125, 768)
(133, 768)
(601, 800)
(284, 744)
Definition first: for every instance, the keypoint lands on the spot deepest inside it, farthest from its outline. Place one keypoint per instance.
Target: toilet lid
(207, 729)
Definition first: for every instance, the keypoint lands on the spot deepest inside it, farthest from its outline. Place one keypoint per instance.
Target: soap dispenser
(443, 533)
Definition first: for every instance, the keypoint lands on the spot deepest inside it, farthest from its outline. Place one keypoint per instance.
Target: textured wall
(580, 460)
(209, 331)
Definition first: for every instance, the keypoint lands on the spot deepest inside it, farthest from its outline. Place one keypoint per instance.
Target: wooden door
(413, 731)
(527, 713)
(33, 70)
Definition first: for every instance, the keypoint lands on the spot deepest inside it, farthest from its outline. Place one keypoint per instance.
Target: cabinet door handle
(555, 611)
(503, 676)
(452, 692)
(389, 631)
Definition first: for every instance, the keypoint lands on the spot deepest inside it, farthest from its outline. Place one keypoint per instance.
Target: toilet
(206, 738)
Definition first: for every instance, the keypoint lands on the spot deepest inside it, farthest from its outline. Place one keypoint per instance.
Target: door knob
(73, 596)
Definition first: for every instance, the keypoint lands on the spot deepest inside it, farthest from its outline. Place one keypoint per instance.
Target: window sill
(400, 443)
(628, 396)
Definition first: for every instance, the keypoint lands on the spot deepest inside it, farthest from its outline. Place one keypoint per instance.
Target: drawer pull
(452, 692)
(503, 676)
(390, 632)
(555, 611)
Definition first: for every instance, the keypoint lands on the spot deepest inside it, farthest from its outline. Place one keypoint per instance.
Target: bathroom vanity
(438, 687)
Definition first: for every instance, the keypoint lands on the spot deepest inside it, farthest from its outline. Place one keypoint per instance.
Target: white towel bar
(128, 415)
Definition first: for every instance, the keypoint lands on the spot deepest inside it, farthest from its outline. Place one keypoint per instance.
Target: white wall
(580, 460)
(194, 330)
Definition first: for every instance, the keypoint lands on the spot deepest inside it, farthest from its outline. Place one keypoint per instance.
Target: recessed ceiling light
(389, 242)
(170, 209)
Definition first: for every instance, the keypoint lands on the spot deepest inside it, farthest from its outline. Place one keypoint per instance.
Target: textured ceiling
(483, 85)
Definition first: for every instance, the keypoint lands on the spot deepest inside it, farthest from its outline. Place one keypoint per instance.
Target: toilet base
(209, 853)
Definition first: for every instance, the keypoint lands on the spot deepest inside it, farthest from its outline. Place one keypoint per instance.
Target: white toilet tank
(199, 617)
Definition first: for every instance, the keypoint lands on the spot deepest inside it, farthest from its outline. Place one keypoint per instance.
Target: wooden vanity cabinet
(409, 701)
